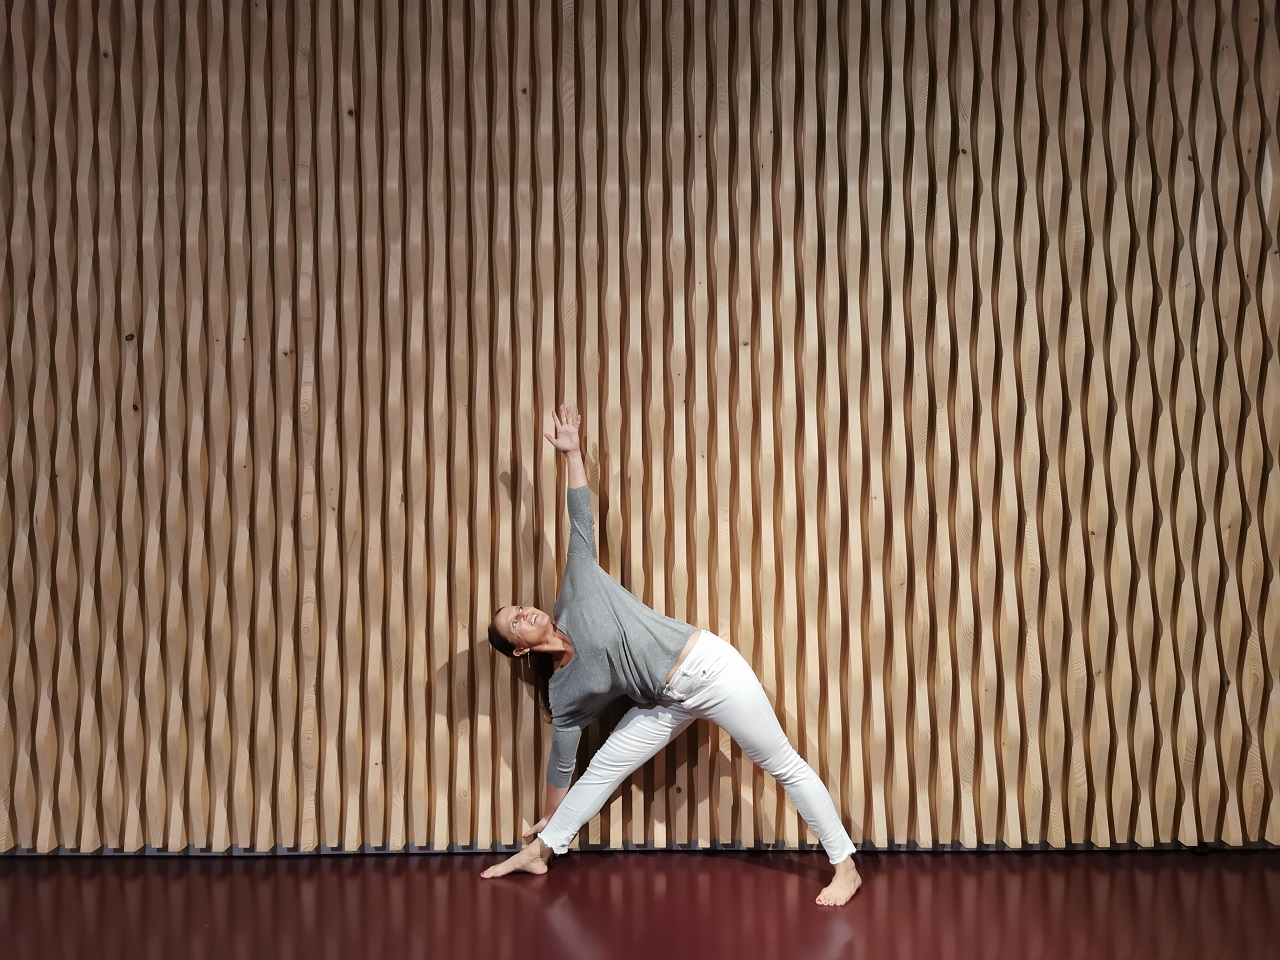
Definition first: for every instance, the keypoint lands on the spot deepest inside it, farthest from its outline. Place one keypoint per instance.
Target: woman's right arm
(582, 532)
(568, 442)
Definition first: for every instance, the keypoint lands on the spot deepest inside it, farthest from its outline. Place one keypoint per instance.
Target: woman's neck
(567, 653)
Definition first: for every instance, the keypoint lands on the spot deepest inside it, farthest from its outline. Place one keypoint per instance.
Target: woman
(604, 644)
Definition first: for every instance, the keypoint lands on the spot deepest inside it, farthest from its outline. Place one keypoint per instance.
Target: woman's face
(524, 627)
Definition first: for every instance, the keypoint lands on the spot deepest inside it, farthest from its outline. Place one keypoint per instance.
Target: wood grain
(927, 354)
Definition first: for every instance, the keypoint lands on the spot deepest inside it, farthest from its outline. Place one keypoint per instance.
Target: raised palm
(565, 438)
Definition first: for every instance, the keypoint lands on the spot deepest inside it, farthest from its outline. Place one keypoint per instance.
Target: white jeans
(714, 682)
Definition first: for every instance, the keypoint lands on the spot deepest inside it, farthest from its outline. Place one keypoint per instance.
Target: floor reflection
(659, 906)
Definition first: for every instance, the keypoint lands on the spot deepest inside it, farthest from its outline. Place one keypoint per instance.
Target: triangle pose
(603, 644)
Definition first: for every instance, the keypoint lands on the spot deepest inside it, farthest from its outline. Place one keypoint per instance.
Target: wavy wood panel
(928, 355)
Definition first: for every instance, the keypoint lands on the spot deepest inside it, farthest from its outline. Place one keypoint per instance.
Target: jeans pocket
(696, 682)
(681, 687)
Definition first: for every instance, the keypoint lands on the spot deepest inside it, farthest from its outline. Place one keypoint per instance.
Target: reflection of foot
(532, 859)
(843, 886)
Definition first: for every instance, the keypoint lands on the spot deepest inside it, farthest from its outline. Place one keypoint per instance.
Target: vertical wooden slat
(275, 468)
(350, 519)
(8, 656)
(224, 239)
(522, 362)
(479, 403)
(1143, 420)
(439, 542)
(310, 509)
(678, 392)
(551, 249)
(379, 403)
(501, 560)
(59, 422)
(413, 261)
(393, 754)
(872, 410)
(23, 683)
(133, 527)
(82, 317)
(790, 316)
(1268, 280)
(715, 342)
(653, 513)
(858, 605)
(329, 159)
(943, 224)
(246, 247)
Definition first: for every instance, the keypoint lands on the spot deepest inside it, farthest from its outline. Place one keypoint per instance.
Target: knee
(607, 769)
(788, 768)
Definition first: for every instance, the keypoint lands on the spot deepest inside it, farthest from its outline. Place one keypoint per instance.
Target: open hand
(566, 436)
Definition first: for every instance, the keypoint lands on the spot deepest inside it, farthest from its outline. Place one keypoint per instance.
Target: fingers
(566, 416)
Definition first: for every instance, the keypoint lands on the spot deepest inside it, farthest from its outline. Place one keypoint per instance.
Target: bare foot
(843, 886)
(532, 859)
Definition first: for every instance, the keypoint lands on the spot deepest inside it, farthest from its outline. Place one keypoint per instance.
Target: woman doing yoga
(604, 644)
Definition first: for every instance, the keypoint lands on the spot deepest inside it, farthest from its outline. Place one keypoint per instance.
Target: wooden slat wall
(927, 355)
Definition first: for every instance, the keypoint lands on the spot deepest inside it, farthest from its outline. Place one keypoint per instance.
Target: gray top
(621, 648)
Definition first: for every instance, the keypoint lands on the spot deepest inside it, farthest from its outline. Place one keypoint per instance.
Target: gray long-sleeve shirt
(621, 648)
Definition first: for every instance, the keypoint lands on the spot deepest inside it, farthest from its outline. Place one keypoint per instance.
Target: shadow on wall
(454, 682)
(657, 779)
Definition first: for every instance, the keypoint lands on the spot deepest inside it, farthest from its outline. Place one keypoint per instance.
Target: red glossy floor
(659, 906)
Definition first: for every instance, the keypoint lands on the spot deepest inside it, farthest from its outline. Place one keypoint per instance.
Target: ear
(520, 651)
